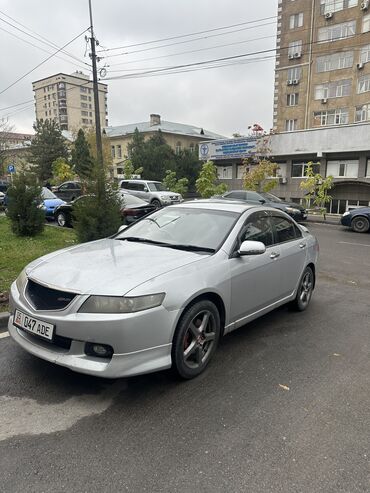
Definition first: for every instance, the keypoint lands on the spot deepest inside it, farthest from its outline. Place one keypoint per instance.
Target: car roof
(219, 204)
(139, 180)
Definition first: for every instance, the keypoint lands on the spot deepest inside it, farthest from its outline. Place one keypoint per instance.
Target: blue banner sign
(238, 148)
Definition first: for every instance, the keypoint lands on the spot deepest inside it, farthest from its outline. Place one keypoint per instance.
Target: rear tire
(360, 224)
(196, 338)
(304, 291)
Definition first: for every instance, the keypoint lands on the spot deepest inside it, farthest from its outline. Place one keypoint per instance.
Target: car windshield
(183, 227)
(47, 194)
(270, 197)
(156, 186)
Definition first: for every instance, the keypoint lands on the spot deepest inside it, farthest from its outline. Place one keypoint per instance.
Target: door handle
(302, 245)
(274, 255)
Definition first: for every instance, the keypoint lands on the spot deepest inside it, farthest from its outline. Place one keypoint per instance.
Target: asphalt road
(284, 407)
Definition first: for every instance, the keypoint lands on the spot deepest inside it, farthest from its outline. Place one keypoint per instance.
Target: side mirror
(145, 189)
(262, 201)
(122, 228)
(251, 248)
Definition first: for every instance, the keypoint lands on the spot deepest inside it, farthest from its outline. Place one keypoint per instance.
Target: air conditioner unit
(295, 82)
(324, 100)
(283, 180)
(365, 5)
(289, 82)
(290, 56)
(360, 65)
(329, 15)
(297, 55)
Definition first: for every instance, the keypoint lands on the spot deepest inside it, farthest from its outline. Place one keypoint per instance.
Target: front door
(255, 279)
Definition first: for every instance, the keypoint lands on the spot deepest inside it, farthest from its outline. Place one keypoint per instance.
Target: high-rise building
(69, 100)
(322, 73)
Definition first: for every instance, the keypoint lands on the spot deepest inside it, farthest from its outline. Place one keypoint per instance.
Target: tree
(81, 156)
(107, 154)
(316, 188)
(47, 146)
(97, 215)
(188, 166)
(136, 149)
(173, 184)
(24, 199)
(5, 131)
(206, 183)
(62, 171)
(129, 171)
(259, 169)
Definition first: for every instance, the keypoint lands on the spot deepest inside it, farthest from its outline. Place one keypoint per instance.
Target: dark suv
(68, 191)
(296, 211)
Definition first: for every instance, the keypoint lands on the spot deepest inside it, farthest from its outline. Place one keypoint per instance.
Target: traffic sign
(11, 168)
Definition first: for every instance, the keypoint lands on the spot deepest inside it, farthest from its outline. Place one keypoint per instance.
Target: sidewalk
(333, 219)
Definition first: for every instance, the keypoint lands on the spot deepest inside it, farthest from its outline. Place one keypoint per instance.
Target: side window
(258, 228)
(235, 195)
(124, 184)
(140, 186)
(64, 187)
(285, 229)
(254, 197)
(298, 232)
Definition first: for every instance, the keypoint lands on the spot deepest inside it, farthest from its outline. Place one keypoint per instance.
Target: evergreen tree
(136, 150)
(47, 146)
(188, 166)
(81, 156)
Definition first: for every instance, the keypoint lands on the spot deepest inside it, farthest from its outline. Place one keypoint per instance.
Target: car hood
(281, 205)
(107, 267)
(51, 203)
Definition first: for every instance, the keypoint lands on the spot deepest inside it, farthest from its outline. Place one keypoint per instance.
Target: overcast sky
(224, 100)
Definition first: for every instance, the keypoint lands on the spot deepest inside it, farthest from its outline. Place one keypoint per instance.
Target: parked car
(4, 185)
(68, 190)
(50, 202)
(164, 290)
(296, 211)
(2, 198)
(153, 192)
(357, 219)
(132, 209)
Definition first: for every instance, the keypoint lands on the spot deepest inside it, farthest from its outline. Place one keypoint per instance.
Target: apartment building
(69, 100)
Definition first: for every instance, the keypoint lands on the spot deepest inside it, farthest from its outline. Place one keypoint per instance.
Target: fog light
(99, 350)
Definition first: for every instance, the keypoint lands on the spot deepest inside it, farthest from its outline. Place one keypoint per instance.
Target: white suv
(153, 192)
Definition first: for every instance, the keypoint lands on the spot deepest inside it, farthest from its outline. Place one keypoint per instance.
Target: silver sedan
(163, 291)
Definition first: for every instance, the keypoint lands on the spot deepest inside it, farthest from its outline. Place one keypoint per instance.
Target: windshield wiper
(191, 248)
(143, 240)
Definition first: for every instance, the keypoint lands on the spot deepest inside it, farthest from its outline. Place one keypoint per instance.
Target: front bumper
(141, 341)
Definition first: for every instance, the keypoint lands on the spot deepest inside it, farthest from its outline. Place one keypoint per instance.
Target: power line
(42, 40)
(190, 34)
(41, 63)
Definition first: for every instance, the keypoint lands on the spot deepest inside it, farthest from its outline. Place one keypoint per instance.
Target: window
(365, 54)
(192, 147)
(84, 113)
(284, 229)
(258, 228)
(240, 172)
(362, 113)
(236, 195)
(83, 89)
(296, 20)
(83, 98)
(336, 89)
(290, 125)
(336, 5)
(119, 151)
(363, 84)
(224, 172)
(113, 151)
(292, 99)
(83, 105)
(334, 62)
(178, 147)
(85, 121)
(331, 117)
(254, 197)
(336, 31)
(295, 49)
(368, 169)
(366, 23)
(299, 169)
(119, 171)
(342, 168)
(294, 73)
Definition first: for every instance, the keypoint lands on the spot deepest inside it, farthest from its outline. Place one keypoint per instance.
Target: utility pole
(99, 145)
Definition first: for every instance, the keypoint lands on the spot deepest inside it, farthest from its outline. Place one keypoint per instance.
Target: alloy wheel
(306, 288)
(199, 339)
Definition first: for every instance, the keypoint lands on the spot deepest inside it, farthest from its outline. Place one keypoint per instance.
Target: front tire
(156, 203)
(62, 220)
(360, 224)
(196, 339)
(304, 291)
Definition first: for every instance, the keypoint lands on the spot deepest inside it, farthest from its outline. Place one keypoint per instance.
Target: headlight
(21, 281)
(346, 213)
(121, 304)
(165, 198)
(292, 210)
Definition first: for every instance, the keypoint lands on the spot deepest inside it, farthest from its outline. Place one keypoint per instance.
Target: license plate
(33, 325)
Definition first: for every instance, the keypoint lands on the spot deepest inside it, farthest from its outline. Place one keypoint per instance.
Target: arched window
(178, 147)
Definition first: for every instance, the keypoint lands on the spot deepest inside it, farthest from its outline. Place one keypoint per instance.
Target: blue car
(357, 219)
(50, 202)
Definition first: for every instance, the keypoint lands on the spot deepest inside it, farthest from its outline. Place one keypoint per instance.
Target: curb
(4, 317)
(321, 220)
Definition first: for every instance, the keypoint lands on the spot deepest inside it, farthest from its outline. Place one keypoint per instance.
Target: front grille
(43, 298)
(59, 341)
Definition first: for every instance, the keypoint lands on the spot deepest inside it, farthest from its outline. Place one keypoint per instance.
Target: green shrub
(97, 215)
(24, 199)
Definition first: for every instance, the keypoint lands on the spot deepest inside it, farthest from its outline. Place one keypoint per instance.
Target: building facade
(322, 75)
(179, 136)
(69, 100)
